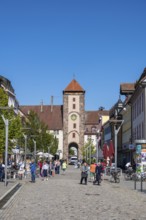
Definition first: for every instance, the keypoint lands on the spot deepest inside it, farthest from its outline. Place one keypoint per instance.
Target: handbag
(84, 174)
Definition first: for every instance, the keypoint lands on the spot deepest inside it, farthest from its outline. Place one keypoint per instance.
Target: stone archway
(74, 147)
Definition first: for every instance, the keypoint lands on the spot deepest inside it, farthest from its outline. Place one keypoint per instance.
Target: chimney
(42, 106)
(51, 103)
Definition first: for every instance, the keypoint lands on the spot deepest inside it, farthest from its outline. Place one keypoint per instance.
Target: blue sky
(44, 43)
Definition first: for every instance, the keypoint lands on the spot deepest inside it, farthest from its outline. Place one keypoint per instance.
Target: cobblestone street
(63, 198)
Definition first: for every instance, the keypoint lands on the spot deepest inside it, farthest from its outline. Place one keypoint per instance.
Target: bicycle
(115, 177)
(128, 175)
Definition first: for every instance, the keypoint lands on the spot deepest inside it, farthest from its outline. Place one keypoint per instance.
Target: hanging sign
(131, 146)
(138, 149)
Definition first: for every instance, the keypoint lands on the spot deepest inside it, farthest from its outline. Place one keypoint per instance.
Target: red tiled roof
(53, 119)
(92, 117)
(127, 88)
(74, 86)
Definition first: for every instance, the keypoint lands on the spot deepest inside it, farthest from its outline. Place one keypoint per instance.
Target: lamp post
(98, 138)
(25, 137)
(6, 121)
(34, 149)
(117, 125)
(116, 131)
(89, 152)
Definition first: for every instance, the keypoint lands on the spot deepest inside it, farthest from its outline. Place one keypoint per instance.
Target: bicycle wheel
(127, 176)
(117, 180)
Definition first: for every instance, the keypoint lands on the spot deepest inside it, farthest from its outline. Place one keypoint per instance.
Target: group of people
(47, 168)
(94, 170)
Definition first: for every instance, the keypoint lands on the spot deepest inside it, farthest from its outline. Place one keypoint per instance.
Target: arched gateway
(74, 147)
(73, 118)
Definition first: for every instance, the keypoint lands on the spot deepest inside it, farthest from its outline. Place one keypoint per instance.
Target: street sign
(131, 146)
(138, 149)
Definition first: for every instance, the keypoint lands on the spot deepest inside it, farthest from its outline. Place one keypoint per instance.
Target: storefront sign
(131, 147)
(138, 149)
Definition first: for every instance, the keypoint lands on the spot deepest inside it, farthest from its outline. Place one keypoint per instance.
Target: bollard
(141, 184)
(135, 182)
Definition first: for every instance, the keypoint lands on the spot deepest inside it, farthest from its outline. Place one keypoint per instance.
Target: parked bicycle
(139, 176)
(128, 175)
(115, 176)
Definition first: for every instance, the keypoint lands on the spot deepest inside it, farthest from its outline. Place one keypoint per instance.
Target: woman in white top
(45, 169)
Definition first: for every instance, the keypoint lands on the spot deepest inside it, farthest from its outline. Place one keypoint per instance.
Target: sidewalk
(63, 198)
(11, 183)
(129, 184)
(5, 189)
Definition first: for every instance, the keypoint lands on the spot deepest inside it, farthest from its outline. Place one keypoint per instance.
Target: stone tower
(73, 118)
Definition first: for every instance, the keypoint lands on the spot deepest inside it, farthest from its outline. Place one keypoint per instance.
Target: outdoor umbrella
(48, 155)
(40, 154)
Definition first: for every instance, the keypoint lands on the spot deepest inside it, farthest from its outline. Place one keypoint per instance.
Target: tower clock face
(73, 117)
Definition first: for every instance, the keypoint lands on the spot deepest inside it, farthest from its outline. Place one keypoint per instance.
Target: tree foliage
(14, 120)
(37, 130)
(86, 149)
(32, 127)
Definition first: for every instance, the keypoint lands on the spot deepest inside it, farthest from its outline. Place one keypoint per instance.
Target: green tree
(86, 150)
(15, 124)
(39, 131)
(54, 146)
(71, 152)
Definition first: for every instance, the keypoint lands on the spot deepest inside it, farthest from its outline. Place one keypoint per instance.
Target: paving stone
(63, 198)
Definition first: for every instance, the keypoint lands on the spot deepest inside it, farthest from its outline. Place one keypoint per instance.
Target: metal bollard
(135, 183)
(141, 184)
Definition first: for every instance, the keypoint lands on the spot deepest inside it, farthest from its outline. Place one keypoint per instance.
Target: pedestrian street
(63, 198)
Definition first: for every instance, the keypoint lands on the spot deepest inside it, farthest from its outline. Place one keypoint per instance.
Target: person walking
(64, 166)
(98, 172)
(2, 173)
(45, 169)
(84, 173)
(92, 171)
(33, 171)
(21, 170)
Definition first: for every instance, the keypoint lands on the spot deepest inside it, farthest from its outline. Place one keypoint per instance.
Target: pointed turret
(74, 86)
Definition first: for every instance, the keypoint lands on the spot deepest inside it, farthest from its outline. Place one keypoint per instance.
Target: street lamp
(98, 138)
(118, 122)
(116, 131)
(34, 149)
(89, 153)
(25, 137)
(6, 121)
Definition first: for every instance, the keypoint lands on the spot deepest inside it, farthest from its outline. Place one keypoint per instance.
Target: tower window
(74, 125)
(74, 99)
(74, 106)
(73, 135)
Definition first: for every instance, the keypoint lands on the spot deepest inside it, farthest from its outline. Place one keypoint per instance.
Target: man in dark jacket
(1, 172)
(98, 172)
